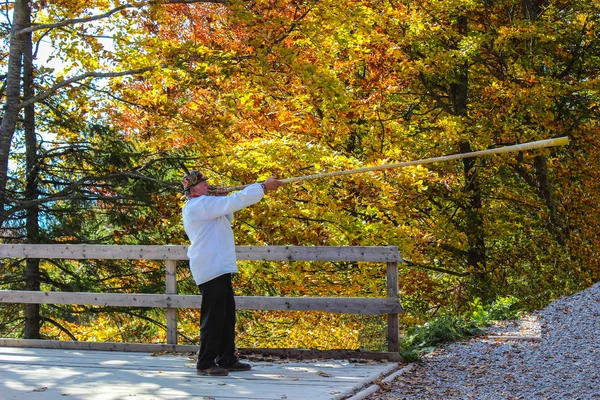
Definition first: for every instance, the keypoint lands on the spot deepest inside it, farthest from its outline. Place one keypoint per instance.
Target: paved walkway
(44, 374)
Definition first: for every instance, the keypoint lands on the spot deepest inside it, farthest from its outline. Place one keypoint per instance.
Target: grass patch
(448, 328)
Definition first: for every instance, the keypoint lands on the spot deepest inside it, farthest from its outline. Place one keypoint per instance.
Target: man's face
(201, 189)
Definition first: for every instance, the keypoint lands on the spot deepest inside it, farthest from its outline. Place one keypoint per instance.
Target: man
(207, 220)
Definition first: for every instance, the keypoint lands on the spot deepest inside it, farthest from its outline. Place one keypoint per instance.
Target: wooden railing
(171, 301)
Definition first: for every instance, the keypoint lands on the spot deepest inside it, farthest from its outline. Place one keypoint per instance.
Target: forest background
(93, 152)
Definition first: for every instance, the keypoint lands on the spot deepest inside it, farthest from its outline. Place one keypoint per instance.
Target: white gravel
(563, 364)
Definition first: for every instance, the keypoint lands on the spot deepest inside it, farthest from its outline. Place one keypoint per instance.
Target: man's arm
(217, 206)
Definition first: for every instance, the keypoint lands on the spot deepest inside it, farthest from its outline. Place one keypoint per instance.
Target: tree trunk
(21, 15)
(31, 329)
(532, 8)
(545, 190)
(476, 255)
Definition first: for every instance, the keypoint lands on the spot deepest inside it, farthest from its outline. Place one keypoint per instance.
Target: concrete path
(45, 374)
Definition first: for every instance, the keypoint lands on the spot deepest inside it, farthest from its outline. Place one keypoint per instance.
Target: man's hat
(192, 178)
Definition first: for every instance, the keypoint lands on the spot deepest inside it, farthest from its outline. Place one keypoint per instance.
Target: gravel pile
(563, 364)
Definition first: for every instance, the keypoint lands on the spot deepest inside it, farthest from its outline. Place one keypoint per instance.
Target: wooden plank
(100, 346)
(348, 305)
(24, 374)
(308, 354)
(171, 289)
(319, 253)
(299, 354)
(89, 251)
(393, 335)
(171, 252)
(100, 299)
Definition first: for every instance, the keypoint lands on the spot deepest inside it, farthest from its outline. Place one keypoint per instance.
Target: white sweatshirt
(207, 222)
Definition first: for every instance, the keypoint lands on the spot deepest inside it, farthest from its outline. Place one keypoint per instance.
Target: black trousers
(217, 323)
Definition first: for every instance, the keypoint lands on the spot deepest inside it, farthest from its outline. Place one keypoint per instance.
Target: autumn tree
(367, 82)
(87, 43)
(247, 89)
(24, 85)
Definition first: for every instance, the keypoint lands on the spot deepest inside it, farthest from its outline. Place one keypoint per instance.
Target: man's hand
(273, 183)
(217, 191)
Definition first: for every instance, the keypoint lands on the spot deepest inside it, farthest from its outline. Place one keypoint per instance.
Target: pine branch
(68, 192)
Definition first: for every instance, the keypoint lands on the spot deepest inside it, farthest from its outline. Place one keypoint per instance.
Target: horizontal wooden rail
(172, 252)
(346, 305)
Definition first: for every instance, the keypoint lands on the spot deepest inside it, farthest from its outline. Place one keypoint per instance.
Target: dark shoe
(237, 366)
(213, 371)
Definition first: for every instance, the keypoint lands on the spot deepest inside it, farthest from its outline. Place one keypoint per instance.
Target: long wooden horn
(561, 141)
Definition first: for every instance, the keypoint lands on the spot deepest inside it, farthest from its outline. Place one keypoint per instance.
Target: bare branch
(75, 20)
(66, 82)
(435, 269)
(112, 95)
(6, 14)
(107, 14)
(60, 327)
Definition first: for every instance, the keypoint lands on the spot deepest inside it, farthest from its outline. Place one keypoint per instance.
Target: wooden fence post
(171, 301)
(393, 322)
(171, 313)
